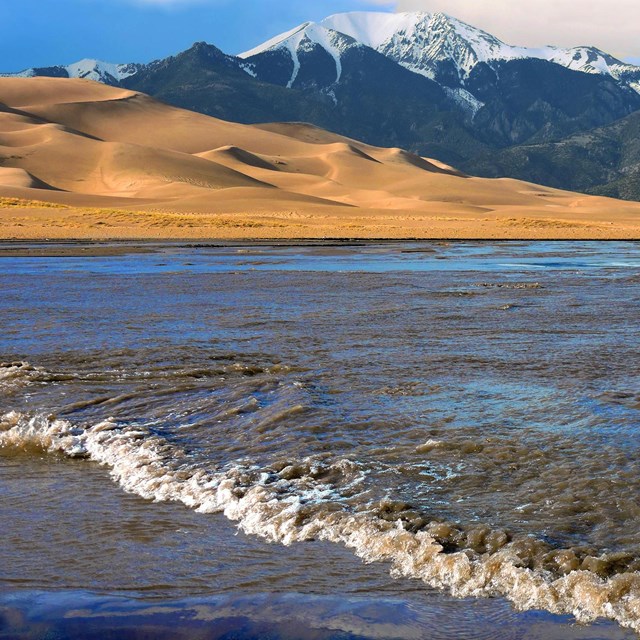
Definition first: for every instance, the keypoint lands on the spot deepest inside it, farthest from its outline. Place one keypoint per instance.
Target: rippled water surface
(467, 414)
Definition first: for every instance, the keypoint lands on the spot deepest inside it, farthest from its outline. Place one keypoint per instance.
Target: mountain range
(426, 82)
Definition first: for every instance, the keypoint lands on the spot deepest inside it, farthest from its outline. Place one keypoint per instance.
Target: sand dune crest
(10, 177)
(236, 154)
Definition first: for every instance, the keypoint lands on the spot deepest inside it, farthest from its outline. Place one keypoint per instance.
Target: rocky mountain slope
(603, 161)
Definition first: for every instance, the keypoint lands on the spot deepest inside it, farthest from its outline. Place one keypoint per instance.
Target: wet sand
(88, 249)
(320, 247)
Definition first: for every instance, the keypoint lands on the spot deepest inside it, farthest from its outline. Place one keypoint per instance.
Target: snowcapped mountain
(88, 69)
(465, 61)
(425, 82)
(99, 71)
(423, 42)
(435, 45)
(305, 41)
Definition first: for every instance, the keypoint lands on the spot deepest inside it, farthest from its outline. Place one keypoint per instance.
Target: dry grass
(542, 222)
(29, 204)
(156, 218)
(110, 217)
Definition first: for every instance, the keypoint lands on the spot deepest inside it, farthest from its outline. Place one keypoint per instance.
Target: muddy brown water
(465, 416)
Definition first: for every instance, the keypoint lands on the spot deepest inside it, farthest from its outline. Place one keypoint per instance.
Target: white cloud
(611, 26)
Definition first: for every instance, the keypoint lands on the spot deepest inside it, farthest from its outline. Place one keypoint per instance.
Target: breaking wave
(321, 497)
(15, 375)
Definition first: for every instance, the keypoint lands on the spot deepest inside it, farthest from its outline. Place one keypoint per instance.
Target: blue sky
(45, 32)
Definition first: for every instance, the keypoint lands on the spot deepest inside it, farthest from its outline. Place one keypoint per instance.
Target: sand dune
(238, 156)
(120, 164)
(20, 178)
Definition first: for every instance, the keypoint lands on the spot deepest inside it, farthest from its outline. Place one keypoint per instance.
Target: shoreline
(78, 248)
(302, 240)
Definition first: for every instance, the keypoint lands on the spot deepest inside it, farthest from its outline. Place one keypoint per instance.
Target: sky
(46, 32)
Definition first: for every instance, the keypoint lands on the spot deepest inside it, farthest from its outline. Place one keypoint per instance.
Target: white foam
(15, 375)
(291, 510)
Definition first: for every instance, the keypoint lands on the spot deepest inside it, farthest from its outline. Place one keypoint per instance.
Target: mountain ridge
(422, 81)
(86, 69)
(416, 40)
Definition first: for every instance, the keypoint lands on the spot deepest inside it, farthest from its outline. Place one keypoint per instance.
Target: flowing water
(466, 414)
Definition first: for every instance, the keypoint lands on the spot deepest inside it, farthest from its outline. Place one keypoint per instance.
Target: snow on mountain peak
(304, 38)
(420, 40)
(417, 40)
(87, 69)
(277, 42)
(371, 28)
(97, 70)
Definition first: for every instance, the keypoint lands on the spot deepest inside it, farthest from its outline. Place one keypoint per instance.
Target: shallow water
(465, 413)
